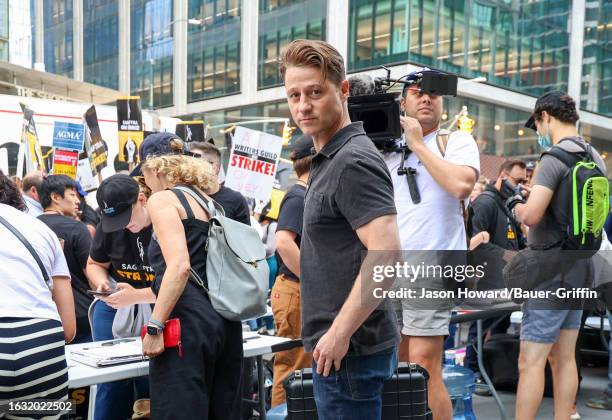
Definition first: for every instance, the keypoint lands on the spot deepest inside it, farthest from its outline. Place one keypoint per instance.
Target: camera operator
(443, 177)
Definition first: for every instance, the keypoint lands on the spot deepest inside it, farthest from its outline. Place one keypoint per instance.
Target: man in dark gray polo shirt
(349, 209)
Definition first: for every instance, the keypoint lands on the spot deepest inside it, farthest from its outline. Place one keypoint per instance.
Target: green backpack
(590, 198)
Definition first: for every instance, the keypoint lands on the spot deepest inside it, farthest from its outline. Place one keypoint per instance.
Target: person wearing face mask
(551, 334)
(118, 261)
(490, 219)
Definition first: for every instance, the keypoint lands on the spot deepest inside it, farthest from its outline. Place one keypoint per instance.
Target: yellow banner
(65, 163)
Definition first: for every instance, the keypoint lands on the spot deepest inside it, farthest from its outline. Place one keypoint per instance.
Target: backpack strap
(586, 147)
(502, 206)
(569, 159)
(213, 208)
(181, 196)
(30, 249)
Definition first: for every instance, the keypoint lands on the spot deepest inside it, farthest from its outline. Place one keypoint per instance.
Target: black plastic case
(404, 395)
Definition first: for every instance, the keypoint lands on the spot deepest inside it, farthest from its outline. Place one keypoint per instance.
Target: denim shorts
(544, 325)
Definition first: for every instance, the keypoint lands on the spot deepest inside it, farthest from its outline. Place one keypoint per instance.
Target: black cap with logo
(115, 196)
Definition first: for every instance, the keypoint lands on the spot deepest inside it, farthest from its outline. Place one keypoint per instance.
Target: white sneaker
(575, 416)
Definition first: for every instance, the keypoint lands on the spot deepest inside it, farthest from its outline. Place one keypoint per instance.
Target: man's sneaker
(482, 388)
(602, 402)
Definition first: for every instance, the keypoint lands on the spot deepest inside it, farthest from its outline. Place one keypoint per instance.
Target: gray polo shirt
(349, 186)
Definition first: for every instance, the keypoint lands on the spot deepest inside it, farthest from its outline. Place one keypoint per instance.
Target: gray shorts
(421, 322)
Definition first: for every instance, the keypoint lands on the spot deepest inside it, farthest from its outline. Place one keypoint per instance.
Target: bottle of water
(460, 384)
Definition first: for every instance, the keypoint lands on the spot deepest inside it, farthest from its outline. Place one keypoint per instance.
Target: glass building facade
(522, 45)
(33, 18)
(152, 52)
(280, 22)
(213, 49)
(58, 44)
(101, 42)
(597, 58)
(4, 30)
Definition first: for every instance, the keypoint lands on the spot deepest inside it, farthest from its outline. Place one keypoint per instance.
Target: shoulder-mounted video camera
(371, 102)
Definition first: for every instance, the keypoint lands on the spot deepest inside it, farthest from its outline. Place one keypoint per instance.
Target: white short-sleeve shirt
(23, 291)
(436, 223)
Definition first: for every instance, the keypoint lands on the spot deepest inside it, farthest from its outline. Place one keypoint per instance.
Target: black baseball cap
(548, 100)
(302, 147)
(157, 144)
(115, 197)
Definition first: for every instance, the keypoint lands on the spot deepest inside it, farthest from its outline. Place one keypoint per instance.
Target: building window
(280, 22)
(521, 45)
(213, 49)
(597, 58)
(152, 52)
(4, 30)
(58, 45)
(101, 43)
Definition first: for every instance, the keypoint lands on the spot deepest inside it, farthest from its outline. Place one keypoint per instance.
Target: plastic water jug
(460, 384)
(277, 413)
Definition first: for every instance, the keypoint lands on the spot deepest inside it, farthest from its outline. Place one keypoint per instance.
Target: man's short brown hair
(509, 164)
(313, 53)
(301, 166)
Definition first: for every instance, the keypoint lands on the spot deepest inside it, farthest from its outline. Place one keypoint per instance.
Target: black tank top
(196, 233)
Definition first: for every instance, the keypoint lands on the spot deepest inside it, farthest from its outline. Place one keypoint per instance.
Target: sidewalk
(594, 381)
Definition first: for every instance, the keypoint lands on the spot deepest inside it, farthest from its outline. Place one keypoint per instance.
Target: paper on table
(109, 353)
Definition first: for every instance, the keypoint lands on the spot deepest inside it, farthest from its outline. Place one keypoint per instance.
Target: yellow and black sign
(130, 129)
(29, 137)
(94, 145)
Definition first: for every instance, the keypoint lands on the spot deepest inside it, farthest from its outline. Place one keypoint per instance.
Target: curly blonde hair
(181, 169)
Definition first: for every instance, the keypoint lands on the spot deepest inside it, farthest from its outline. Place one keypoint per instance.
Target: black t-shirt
(233, 203)
(77, 242)
(290, 217)
(489, 215)
(126, 252)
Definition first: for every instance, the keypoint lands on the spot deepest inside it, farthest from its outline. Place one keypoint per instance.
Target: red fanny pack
(172, 334)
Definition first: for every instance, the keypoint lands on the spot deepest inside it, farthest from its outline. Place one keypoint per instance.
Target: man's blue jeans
(354, 392)
(114, 400)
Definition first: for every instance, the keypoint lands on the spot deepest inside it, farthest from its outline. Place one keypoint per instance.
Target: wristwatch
(153, 330)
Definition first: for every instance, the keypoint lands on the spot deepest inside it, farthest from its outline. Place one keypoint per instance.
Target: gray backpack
(236, 266)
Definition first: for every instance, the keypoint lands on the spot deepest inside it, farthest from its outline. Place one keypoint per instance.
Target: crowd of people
(140, 259)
